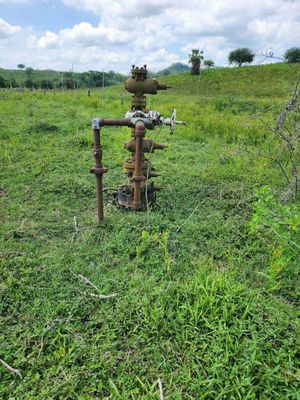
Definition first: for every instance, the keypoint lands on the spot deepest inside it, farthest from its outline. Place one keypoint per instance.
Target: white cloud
(49, 41)
(87, 35)
(84, 35)
(159, 32)
(230, 23)
(7, 30)
(129, 10)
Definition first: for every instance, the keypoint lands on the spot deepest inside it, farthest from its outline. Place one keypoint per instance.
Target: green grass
(57, 78)
(37, 75)
(193, 306)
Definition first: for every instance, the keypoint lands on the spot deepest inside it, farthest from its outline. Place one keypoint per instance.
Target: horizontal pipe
(115, 122)
(121, 122)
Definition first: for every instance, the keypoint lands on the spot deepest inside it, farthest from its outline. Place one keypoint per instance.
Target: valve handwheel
(173, 121)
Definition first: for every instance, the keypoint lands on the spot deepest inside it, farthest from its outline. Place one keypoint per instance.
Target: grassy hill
(273, 80)
(202, 302)
(57, 78)
(20, 76)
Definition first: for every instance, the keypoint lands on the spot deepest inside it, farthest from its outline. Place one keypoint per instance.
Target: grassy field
(22, 78)
(194, 306)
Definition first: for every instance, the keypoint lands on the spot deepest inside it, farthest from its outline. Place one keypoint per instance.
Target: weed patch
(203, 303)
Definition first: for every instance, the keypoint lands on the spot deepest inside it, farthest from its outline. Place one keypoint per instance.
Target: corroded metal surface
(98, 169)
(125, 196)
(138, 176)
(137, 194)
(149, 146)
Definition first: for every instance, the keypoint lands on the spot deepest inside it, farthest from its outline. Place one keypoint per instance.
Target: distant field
(56, 79)
(194, 306)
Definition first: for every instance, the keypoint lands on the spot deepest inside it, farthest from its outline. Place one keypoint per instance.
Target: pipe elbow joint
(140, 128)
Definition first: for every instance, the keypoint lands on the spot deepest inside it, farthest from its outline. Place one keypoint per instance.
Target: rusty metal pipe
(115, 122)
(138, 175)
(98, 169)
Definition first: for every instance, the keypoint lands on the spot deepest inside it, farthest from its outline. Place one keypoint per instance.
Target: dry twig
(160, 388)
(291, 104)
(11, 369)
(195, 209)
(88, 282)
(100, 296)
(76, 230)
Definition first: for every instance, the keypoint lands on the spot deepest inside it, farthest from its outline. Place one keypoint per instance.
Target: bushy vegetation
(207, 296)
(292, 55)
(49, 79)
(209, 63)
(241, 56)
(279, 227)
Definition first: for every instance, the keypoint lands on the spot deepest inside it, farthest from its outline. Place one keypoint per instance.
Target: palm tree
(195, 60)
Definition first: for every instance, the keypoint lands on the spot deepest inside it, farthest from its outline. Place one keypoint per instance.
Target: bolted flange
(149, 146)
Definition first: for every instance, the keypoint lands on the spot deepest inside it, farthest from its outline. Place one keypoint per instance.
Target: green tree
(29, 83)
(241, 56)
(209, 63)
(28, 72)
(12, 83)
(68, 81)
(46, 84)
(195, 59)
(2, 82)
(21, 66)
(292, 55)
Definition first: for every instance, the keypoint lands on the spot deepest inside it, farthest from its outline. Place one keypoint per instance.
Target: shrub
(2, 82)
(279, 226)
(292, 55)
(209, 63)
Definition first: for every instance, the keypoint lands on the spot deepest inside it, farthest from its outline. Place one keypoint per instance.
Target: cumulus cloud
(49, 41)
(232, 23)
(159, 57)
(130, 9)
(7, 30)
(159, 32)
(87, 35)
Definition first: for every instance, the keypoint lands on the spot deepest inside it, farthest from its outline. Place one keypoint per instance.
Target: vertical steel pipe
(98, 169)
(138, 175)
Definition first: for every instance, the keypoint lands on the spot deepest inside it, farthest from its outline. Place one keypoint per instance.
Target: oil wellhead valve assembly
(137, 194)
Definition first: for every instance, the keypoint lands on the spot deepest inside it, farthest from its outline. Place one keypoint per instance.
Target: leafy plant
(155, 244)
(279, 226)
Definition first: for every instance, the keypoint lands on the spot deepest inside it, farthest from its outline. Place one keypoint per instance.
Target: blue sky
(113, 34)
(41, 15)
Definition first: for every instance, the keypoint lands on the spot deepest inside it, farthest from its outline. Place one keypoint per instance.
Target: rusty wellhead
(137, 193)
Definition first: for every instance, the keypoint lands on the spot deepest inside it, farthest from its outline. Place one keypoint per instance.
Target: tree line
(238, 57)
(31, 79)
(90, 79)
